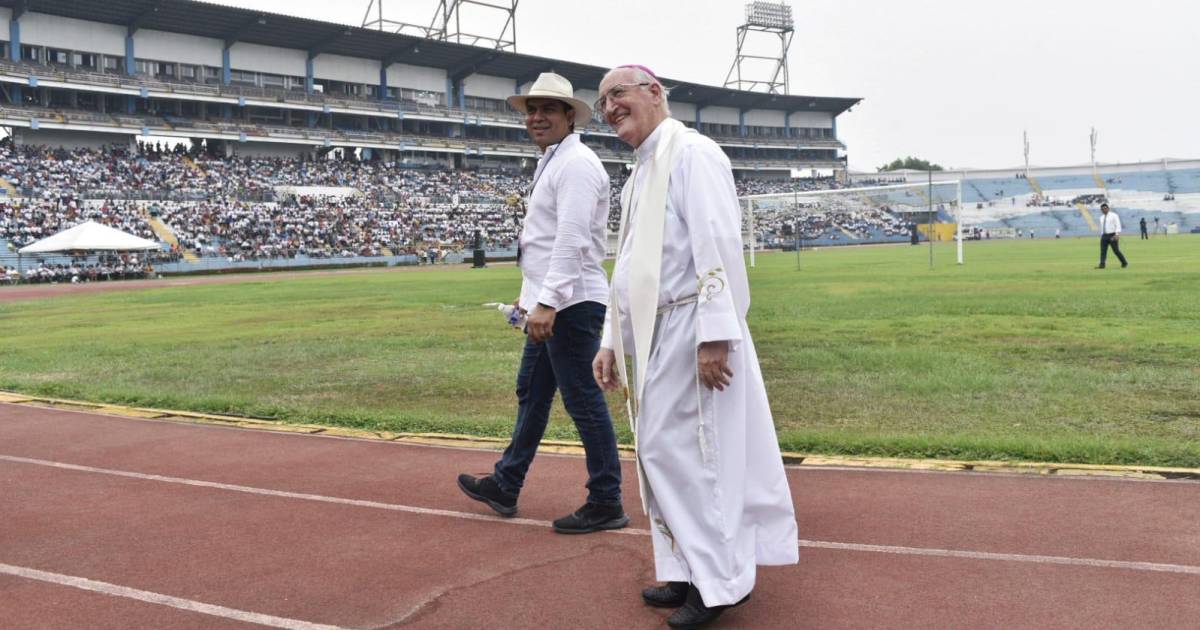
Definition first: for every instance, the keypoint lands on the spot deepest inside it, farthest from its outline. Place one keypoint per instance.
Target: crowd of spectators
(1044, 201)
(244, 208)
(756, 186)
(24, 221)
(832, 219)
(106, 268)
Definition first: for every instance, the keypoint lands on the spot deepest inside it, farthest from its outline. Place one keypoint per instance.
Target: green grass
(1026, 352)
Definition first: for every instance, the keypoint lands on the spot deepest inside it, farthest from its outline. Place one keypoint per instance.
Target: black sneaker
(670, 595)
(486, 490)
(592, 518)
(694, 614)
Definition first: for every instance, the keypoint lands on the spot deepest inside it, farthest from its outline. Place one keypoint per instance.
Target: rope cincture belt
(691, 299)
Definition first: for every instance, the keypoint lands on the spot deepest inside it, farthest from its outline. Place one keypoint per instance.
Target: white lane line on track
(1004, 557)
(813, 544)
(160, 599)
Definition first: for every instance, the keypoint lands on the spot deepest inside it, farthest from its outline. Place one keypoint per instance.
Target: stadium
(254, 415)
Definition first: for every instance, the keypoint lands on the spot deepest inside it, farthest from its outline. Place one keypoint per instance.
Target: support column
(14, 54)
(14, 40)
(226, 68)
(130, 59)
(383, 83)
(742, 123)
(787, 125)
(308, 76)
(698, 108)
(449, 92)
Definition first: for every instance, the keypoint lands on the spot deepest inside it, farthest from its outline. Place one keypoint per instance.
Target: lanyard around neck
(541, 171)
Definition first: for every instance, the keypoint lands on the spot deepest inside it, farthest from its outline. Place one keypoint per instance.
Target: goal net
(855, 216)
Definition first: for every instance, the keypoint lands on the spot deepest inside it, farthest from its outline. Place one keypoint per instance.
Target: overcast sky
(951, 81)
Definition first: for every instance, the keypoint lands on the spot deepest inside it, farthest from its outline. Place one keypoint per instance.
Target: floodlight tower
(1026, 136)
(1093, 138)
(447, 22)
(768, 18)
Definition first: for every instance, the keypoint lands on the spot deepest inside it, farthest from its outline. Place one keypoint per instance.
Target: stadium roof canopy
(232, 24)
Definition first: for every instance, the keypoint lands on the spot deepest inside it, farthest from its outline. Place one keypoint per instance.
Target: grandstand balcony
(144, 86)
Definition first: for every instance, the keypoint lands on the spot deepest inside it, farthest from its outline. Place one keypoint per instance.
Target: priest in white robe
(711, 475)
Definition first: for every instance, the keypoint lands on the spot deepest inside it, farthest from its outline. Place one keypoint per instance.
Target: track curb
(805, 460)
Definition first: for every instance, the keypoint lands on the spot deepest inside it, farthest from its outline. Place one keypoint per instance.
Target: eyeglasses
(615, 92)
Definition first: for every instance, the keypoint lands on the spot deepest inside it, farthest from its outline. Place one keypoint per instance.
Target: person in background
(1110, 236)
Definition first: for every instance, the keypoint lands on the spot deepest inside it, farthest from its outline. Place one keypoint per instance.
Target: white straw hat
(550, 85)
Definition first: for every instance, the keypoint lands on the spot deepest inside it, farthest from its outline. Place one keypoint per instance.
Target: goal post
(898, 213)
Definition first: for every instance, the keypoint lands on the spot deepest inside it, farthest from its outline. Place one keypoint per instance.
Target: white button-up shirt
(563, 240)
(1110, 223)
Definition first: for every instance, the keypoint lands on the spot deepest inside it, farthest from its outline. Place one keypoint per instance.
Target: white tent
(89, 236)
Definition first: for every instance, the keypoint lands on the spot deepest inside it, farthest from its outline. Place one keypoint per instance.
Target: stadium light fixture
(765, 18)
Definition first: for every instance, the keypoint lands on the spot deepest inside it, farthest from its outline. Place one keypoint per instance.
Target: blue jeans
(564, 363)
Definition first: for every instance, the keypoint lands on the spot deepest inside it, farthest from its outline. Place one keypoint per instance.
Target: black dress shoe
(694, 614)
(486, 490)
(592, 518)
(670, 595)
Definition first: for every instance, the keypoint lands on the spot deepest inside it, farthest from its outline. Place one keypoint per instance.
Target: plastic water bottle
(512, 314)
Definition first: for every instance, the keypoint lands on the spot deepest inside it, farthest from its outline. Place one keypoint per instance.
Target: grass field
(1026, 352)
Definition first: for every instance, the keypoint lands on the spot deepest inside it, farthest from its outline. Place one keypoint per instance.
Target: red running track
(109, 522)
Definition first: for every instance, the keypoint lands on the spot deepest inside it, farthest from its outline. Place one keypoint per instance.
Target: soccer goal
(900, 213)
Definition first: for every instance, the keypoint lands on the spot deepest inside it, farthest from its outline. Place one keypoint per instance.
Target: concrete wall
(177, 47)
(348, 69)
(68, 139)
(270, 150)
(764, 118)
(685, 112)
(285, 61)
(416, 77)
(719, 115)
(68, 33)
(488, 86)
(817, 120)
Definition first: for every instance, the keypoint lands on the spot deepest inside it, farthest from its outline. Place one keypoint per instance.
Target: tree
(911, 162)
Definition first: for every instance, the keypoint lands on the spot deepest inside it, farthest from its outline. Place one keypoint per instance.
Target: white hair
(641, 76)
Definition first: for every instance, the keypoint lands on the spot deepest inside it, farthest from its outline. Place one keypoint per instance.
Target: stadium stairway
(166, 235)
(1087, 216)
(850, 235)
(1033, 183)
(8, 187)
(194, 166)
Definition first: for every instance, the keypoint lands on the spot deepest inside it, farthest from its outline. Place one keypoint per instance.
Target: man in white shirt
(1110, 235)
(565, 293)
(712, 478)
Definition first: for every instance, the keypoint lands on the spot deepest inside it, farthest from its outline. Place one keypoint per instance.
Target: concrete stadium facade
(252, 83)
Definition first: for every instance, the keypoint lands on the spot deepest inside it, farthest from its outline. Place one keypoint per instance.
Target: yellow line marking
(1034, 184)
(563, 447)
(1087, 215)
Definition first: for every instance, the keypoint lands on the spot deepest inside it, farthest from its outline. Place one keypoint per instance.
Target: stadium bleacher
(232, 210)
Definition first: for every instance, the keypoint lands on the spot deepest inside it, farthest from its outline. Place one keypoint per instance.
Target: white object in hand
(514, 316)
